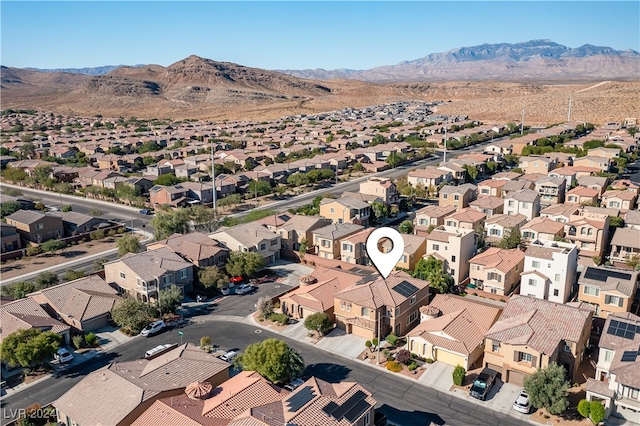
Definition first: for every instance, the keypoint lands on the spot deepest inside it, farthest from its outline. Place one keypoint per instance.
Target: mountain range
(197, 87)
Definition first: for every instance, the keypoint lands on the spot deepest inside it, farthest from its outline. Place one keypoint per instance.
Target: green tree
(511, 239)
(547, 388)
(18, 290)
(358, 167)
(8, 208)
(472, 172)
(273, 359)
(298, 179)
(167, 180)
(14, 174)
(260, 187)
(46, 279)
(244, 263)
(394, 159)
(29, 347)
(249, 164)
(406, 227)
(380, 210)
(127, 243)
(98, 265)
(42, 173)
(52, 246)
(458, 375)
(72, 274)
(171, 222)
(615, 222)
(319, 322)
(303, 247)
(230, 200)
(212, 277)
(170, 299)
(133, 315)
(597, 412)
(431, 269)
(264, 307)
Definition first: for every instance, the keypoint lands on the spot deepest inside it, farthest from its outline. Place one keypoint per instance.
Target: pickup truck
(481, 386)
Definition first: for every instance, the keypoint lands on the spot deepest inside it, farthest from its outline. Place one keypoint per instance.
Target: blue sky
(295, 35)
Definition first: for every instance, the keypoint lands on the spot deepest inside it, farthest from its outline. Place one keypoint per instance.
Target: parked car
(159, 350)
(294, 384)
(235, 280)
(482, 385)
(244, 289)
(522, 403)
(63, 355)
(229, 356)
(152, 328)
(145, 212)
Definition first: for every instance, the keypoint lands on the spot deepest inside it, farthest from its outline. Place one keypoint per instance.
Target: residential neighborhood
(246, 243)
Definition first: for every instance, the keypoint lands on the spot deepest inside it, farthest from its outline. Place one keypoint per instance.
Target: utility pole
(213, 179)
(569, 114)
(522, 123)
(446, 128)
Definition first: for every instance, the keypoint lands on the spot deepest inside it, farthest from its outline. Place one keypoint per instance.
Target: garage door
(516, 377)
(450, 358)
(361, 331)
(495, 367)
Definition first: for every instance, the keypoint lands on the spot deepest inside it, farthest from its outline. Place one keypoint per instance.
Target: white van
(159, 350)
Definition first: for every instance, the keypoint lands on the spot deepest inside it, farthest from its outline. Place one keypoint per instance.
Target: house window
(366, 418)
(484, 191)
(435, 247)
(495, 347)
(557, 278)
(608, 355)
(591, 291)
(525, 205)
(347, 247)
(451, 223)
(326, 243)
(583, 231)
(452, 271)
(567, 347)
(590, 231)
(274, 242)
(556, 292)
(122, 275)
(535, 264)
(532, 282)
(444, 196)
(494, 231)
(263, 246)
(365, 312)
(493, 276)
(456, 197)
(167, 278)
(413, 299)
(411, 318)
(422, 221)
(614, 204)
(494, 290)
(183, 273)
(528, 234)
(453, 258)
(345, 306)
(510, 204)
(404, 258)
(332, 210)
(522, 356)
(613, 300)
(39, 226)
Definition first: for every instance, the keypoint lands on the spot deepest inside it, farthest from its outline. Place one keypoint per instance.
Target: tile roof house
(196, 248)
(353, 248)
(625, 244)
(25, 314)
(489, 205)
(608, 290)
(497, 226)
(251, 237)
(144, 274)
(496, 270)
(414, 248)
(457, 196)
(431, 216)
(531, 333)
(326, 240)
(383, 188)
(35, 226)
(467, 218)
(454, 247)
(294, 229)
(551, 190)
(346, 210)
(247, 399)
(589, 231)
(452, 330)
(560, 212)
(617, 380)
(583, 195)
(632, 219)
(120, 392)
(594, 182)
(623, 200)
(316, 292)
(537, 164)
(541, 229)
(523, 201)
(381, 307)
(85, 304)
(491, 187)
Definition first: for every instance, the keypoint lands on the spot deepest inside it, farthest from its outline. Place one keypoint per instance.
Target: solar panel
(300, 398)
(330, 407)
(357, 410)
(405, 288)
(629, 356)
(602, 274)
(340, 411)
(623, 329)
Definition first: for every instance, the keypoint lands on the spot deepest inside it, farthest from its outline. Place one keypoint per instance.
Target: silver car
(522, 404)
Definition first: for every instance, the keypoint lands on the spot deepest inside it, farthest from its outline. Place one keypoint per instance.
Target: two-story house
(36, 227)
(583, 195)
(496, 270)
(353, 248)
(498, 226)
(414, 249)
(381, 307)
(531, 333)
(326, 240)
(617, 382)
(429, 177)
(523, 201)
(454, 247)
(297, 229)
(549, 271)
(537, 164)
(10, 239)
(491, 187)
(457, 196)
(608, 290)
(541, 229)
(345, 210)
(601, 163)
(551, 190)
(430, 217)
(143, 275)
(589, 232)
(380, 188)
(623, 200)
(625, 244)
(196, 248)
(251, 237)
(466, 218)
(175, 196)
(599, 183)
(452, 330)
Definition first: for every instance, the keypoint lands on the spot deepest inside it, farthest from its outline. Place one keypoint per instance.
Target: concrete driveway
(339, 342)
(289, 272)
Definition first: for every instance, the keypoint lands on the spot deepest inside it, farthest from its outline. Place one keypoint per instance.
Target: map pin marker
(385, 262)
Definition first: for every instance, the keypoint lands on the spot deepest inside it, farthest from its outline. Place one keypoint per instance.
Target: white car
(244, 289)
(63, 355)
(294, 384)
(152, 328)
(229, 356)
(522, 404)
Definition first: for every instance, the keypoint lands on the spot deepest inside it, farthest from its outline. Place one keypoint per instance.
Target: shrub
(121, 230)
(596, 412)
(458, 375)
(67, 208)
(205, 342)
(265, 307)
(77, 341)
(429, 361)
(111, 233)
(279, 318)
(33, 251)
(368, 344)
(392, 339)
(403, 356)
(583, 408)
(97, 235)
(374, 342)
(91, 340)
(412, 365)
(394, 366)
